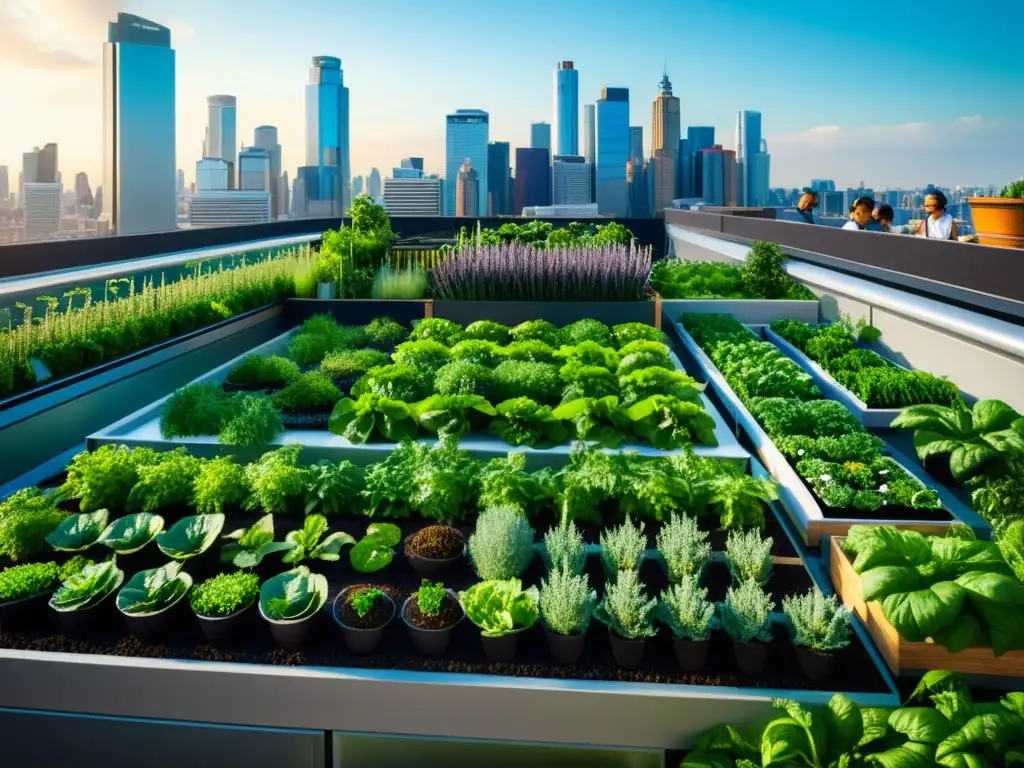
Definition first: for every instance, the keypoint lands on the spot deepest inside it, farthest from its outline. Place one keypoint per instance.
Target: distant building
(590, 142)
(638, 204)
(720, 176)
(213, 175)
(689, 167)
(373, 184)
(588, 211)
(417, 163)
(499, 176)
(327, 171)
(748, 144)
(540, 136)
(254, 172)
(265, 137)
(467, 191)
(666, 133)
(357, 186)
(567, 110)
(222, 131)
(139, 128)
(570, 181)
(283, 197)
(533, 178)
(43, 208)
(415, 196)
(47, 169)
(300, 205)
(229, 208)
(612, 151)
(466, 136)
(663, 180)
(760, 175)
(181, 182)
(823, 185)
(5, 184)
(83, 192)
(636, 143)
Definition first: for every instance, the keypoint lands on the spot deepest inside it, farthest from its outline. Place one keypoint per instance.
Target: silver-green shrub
(625, 609)
(749, 556)
(684, 607)
(622, 548)
(567, 602)
(817, 622)
(502, 546)
(564, 546)
(684, 546)
(746, 613)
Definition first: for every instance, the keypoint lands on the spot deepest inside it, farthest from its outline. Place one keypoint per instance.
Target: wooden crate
(902, 656)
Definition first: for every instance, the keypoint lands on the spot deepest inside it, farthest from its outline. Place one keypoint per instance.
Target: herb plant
(623, 548)
(487, 330)
(385, 332)
(246, 547)
(430, 597)
(309, 542)
(167, 483)
(104, 478)
(537, 381)
(739, 499)
(190, 536)
(352, 362)
(563, 547)
(275, 480)
(444, 481)
(426, 355)
(225, 594)
(23, 581)
(221, 482)
(817, 622)
(462, 377)
(746, 613)
(441, 330)
(684, 607)
(310, 393)
(264, 372)
(87, 588)
(27, 518)
(363, 600)
(684, 548)
(505, 482)
(749, 557)
(499, 606)
(567, 602)
(501, 547)
(625, 609)
(333, 488)
(254, 421)
(196, 409)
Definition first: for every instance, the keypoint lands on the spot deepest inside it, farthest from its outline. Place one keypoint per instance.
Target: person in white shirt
(860, 214)
(938, 225)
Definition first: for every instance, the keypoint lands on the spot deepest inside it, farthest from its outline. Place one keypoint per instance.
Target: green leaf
(996, 729)
(785, 741)
(701, 759)
(370, 556)
(918, 615)
(725, 738)
(250, 558)
(293, 595)
(967, 460)
(910, 755)
(154, 590)
(876, 724)
(330, 549)
(921, 724)
(190, 536)
(883, 545)
(87, 587)
(965, 632)
(992, 416)
(78, 532)
(879, 583)
(131, 532)
(388, 534)
(844, 723)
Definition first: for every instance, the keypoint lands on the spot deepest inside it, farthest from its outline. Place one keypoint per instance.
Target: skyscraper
(213, 175)
(417, 163)
(499, 174)
(5, 184)
(533, 178)
(760, 173)
(720, 176)
(567, 109)
(636, 143)
(666, 128)
(612, 151)
(690, 163)
(265, 137)
(222, 131)
(254, 172)
(590, 142)
(748, 142)
(283, 196)
(357, 186)
(181, 182)
(373, 185)
(42, 204)
(83, 192)
(570, 180)
(328, 162)
(466, 137)
(138, 127)
(540, 136)
(48, 169)
(467, 192)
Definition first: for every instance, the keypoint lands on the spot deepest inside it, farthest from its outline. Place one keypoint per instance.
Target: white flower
(883, 471)
(884, 502)
(801, 452)
(883, 488)
(826, 478)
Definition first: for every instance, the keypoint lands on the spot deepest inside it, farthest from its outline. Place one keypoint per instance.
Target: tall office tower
(139, 128)
(760, 173)
(720, 176)
(222, 131)
(300, 205)
(43, 207)
(47, 169)
(213, 175)
(689, 164)
(357, 186)
(823, 185)
(181, 182)
(417, 163)
(637, 193)
(5, 184)
(662, 180)
(83, 192)
(636, 143)
(499, 174)
(265, 137)
(467, 191)
(612, 151)
(748, 142)
(254, 172)
(567, 109)
(570, 180)
(413, 196)
(533, 178)
(466, 137)
(283, 197)
(540, 136)
(29, 170)
(590, 142)
(328, 161)
(373, 185)
(666, 129)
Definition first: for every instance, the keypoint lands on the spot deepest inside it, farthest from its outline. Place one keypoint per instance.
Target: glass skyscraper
(499, 178)
(612, 151)
(222, 131)
(266, 138)
(748, 142)
(540, 136)
(690, 161)
(327, 138)
(466, 138)
(567, 109)
(139, 127)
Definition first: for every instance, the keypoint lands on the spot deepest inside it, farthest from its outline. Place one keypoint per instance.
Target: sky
(891, 94)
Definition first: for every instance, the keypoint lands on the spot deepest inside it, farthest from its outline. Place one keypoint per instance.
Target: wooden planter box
(902, 656)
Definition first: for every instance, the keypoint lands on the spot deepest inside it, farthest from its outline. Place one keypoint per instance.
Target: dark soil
(938, 467)
(312, 420)
(450, 613)
(381, 611)
(346, 383)
(854, 672)
(436, 542)
(888, 512)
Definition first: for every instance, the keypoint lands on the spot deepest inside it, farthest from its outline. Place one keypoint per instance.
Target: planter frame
(747, 311)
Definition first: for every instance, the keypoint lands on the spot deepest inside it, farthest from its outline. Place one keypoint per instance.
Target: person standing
(860, 214)
(938, 224)
(808, 202)
(884, 215)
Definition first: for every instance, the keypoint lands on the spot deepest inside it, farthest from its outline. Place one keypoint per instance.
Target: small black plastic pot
(149, 627)
(816, 665)
(431, 642)
(502, 648)
(629, 654)
(432, 569)
(566, 649)
(78, 623)
(24, 611)
(219, 628)
(292, 635)
(750, 657)
(360, 642)
(692, 655)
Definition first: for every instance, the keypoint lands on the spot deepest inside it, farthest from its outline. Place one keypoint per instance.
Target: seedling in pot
(567, 604)
(685, 609)
(154, 590)
(363, 600)
(306, 542)
(622, 548)
(627, 613)
(23, 582)
(746, 618)
(225, 594)
(293, 596)
(87, 588)
(247, 547)
(431, 614)
(819, 626)
(501, 608)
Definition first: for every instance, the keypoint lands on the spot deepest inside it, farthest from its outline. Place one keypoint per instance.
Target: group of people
(866, 216)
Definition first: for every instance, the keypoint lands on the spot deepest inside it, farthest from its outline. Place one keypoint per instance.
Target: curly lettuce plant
(602, 421)
(372, 416)
(426, 355)
(27, 518)
(522, 421)
(221, 482)
(333, 488)
(487, 330)
(498, 607)
(167, 483)
(21, 582)
(397, 382)
(667, 423)
(450, 414)
(643, 383)
(104, 478)
(275, 480)
(443, 331)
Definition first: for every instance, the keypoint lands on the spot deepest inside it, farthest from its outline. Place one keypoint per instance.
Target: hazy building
(357, 187)
(373, 185)
(265, 137)
(181, 182)
(467, 191)
(823, 185)
(533, 178)
(5, 184)
(720, 176)
(666, 128)
(300, 208)
(612, 151)
(229, 208)
(760, 176)
(29, 171)
(254, 172)
(748, 143)
(573, 212)
(499, 176)
(328, 161)
(83, 191)
(139, 148)
(636, 143)
(47, 169)
(540, 136)
(42, 203)
(222, 131)
(213, 175)
(417, 163)
(466, 137)
(414, 196)
(570, 181)
(283, 197)
(567, 109)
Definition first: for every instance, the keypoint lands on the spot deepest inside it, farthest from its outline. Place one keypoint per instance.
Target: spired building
(139, 148)
(666, 131)
(466, 137)
(326, 175)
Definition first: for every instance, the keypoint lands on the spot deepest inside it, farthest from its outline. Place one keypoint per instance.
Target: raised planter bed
(512, 313)
(747, 311)
(358, 311)
(902, 656)
(142, 428)
(807, 514)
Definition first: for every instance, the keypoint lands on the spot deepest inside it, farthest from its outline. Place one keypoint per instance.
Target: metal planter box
(560, 313)
(747, 311)
(142, 429)
(798, 501)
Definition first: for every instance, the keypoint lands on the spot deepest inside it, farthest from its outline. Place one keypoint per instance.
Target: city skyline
(817, 124)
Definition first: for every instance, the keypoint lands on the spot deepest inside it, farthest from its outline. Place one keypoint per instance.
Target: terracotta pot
(999, 221)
